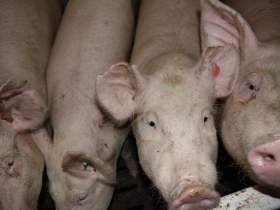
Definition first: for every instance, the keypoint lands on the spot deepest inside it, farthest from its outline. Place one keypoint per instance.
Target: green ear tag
(85, 163)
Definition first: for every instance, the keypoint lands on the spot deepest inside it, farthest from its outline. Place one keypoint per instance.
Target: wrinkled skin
(27, 33)
(168, 93)
(251, 117)
(81, 158)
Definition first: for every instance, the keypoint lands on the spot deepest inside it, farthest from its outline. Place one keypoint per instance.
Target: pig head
(21, 163)
(172, 119)
(84, 176)
(250, 118)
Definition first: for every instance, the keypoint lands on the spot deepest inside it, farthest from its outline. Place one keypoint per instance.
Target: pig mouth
(195, 197)
(183, 184)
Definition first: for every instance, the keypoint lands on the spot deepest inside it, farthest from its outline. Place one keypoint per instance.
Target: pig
(27, 33)
(250, 117)
(81, 158)
(167, 93)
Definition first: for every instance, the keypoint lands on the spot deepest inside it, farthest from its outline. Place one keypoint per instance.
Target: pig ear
(42, 139)
(84, 166)
(23, 110)
(116, 90)
(222, 25)
(221, 65)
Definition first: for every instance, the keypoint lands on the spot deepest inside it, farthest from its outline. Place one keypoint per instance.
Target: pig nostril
(264, 161)
(268, 157)
(195, 197)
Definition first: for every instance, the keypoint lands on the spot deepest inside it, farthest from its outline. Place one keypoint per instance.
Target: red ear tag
(217, 69)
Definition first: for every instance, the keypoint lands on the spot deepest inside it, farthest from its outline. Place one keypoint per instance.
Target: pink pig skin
(251, 118)
(81, 158)
(27, 32)
(167, 94)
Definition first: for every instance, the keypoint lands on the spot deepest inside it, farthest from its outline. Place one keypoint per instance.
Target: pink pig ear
(23, 110)
(222, 25)
(116, 90)
(76, 164)
(221, 65)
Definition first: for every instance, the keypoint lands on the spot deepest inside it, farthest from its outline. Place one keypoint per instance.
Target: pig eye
(152, 124)
(252, 86)
(151, 119)
(11, 163)
(205, 119)
(80, 199)
(11, 168)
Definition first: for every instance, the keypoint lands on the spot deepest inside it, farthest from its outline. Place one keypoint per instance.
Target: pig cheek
(148, 145)
(143, 133)
(239, 120)
(32, 176)
(31, 164)
(19, 181)
(210, 144)
(239, 111)
(13, 167)
(211, 147)
(231, 128)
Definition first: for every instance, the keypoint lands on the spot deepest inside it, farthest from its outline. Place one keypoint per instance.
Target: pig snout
(264, 160)
(195, 197)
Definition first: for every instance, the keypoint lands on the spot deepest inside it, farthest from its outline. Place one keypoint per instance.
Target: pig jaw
(250, 121)
(178, 151)
(97, 196)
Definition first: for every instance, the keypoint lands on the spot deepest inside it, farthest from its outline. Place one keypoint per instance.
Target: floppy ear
(42, 139)
(116, 90)
(24, 110)
(222, 25)
(75, 164)
(220, 65)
